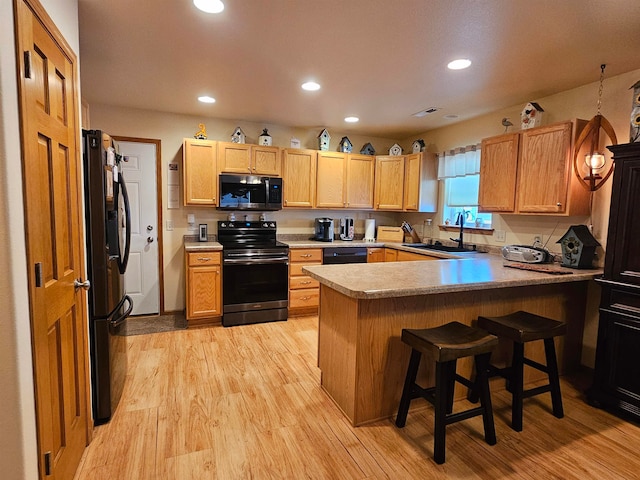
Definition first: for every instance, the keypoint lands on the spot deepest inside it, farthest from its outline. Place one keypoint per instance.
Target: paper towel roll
(369, 230)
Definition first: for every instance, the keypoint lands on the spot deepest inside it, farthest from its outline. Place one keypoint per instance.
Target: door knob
(149, 228)
(78, 283)
(149, 239)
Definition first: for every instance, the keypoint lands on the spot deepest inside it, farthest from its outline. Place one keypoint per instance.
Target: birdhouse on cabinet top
(395, 150)
(238, 136)
(368, 149)
(345, 145)
(417, 146)
(323, 140)
(264, 139)
(578, 247)
(531, 115)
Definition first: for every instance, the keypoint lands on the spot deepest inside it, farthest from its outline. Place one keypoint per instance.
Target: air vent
(426, 111)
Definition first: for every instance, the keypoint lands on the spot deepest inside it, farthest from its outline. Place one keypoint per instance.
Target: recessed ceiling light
(451, 116)
(351, 119)
(311, 86)
(209, 6)
(207, 99)
(459, 64)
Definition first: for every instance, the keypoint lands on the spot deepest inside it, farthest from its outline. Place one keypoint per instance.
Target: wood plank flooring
(245, 403)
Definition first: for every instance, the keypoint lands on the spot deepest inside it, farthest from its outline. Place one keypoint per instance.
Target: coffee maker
(346, 228)
(323, 230)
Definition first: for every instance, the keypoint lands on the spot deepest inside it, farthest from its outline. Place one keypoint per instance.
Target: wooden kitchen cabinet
(299, 178)
(403, 256)
(203, 287)
(249, 159)
(375, 254)
(617, 369)
(360, 180)
(390, 255)
(544, 179)
(199, 159)
(331, 180)
(304, 291)
(389, 182)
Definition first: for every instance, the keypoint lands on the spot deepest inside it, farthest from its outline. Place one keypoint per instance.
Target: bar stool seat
(446, 344)
(522, 327)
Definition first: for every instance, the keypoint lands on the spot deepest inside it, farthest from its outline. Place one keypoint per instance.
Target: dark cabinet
(617, 372)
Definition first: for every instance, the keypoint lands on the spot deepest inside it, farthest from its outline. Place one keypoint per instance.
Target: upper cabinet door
(234, 157)
(266, 160)
(299, 177)
(331, 180)
(544, 169)
(360, 176)
(389, 181)
(412, 180)
(200, 172)
(498, 168)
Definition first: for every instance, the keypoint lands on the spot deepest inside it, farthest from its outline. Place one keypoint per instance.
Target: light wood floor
(245, 402)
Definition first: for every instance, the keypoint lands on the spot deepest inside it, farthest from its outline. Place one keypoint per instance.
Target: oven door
(256, 286)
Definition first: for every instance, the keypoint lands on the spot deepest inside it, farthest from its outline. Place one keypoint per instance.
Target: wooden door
(51, 177)
(331, 180)
(498, 168)
(412, 179)
(266, 161)
(234, 157)
(204, 292)
(389, 191)
(200, 173)
(299, 178)
(360, 177)
(544, 168)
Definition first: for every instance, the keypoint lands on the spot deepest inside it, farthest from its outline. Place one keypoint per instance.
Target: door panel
(54, 240)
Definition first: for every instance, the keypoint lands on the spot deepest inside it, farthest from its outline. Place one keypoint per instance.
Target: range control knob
(223, 225)
(272, 225)
(265, 225)
(231, 225)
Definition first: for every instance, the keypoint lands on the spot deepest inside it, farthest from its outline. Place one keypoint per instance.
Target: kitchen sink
(440, 248)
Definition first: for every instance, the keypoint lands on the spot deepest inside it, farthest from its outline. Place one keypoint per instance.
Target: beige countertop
(403, 279)
(196, 246)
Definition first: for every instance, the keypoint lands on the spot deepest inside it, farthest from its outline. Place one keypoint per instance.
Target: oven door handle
(254, 260)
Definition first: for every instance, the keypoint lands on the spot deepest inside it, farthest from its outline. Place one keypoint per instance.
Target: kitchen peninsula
(364, 307)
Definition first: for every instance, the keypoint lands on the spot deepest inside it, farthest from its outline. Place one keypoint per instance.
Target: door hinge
(47, 463)
(39, 275)
(27, 64)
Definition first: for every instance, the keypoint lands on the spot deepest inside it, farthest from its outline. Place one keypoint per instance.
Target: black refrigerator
(108, 234)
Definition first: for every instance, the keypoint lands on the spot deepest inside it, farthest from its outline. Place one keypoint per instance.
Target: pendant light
(598, 170)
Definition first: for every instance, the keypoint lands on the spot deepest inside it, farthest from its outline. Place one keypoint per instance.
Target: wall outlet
(501, 235)
(169, 225)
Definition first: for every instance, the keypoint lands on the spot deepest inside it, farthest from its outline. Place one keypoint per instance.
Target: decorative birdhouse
(264, 139)
(238, 136)
(295, 142)
(395, 149)
(202, 133)
(345, 145)
(634, 135)
(417, 146)
(531, 115)
(368, 149)
(323, 140)
(578, 247)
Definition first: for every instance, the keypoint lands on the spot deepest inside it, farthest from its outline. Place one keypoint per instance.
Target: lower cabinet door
(204, 292)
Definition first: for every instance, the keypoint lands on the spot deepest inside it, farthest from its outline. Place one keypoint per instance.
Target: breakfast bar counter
(364, 307)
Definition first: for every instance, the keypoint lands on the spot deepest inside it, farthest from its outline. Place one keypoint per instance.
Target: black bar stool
(446, 344)
(522, 327)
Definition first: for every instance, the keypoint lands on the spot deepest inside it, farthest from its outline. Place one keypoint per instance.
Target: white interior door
(142, 279)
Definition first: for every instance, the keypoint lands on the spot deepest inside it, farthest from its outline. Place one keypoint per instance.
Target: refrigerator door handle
(124, 257)
(117, 321)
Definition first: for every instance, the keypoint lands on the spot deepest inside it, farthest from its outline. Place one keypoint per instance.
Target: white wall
(18, 447)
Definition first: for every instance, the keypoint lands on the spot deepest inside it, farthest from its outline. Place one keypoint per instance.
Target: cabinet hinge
(39, 275)
(47, 463)
(27, 64)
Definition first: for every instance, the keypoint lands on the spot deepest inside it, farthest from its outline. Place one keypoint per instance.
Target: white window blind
(459, 162)
(462, 191)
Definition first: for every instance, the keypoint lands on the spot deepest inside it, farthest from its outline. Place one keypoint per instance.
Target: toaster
(525, 254)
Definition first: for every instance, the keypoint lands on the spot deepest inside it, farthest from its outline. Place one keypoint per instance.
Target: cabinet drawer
(623, 300)
(203, 258)
(307, 297)
(295, 269)
(306, 254)
(303, 282)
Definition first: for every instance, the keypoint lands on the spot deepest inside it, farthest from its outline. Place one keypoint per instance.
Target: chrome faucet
(459, 240)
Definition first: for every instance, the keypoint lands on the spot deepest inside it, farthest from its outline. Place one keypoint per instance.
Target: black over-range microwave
(250, 192)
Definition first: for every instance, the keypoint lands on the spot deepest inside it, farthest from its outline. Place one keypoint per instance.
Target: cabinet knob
(558, 204)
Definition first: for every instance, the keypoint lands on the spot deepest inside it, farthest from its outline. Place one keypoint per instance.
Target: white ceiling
(381, 60)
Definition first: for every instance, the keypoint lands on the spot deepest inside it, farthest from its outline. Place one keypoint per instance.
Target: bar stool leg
(451, 379)
(482, 387)
(554, 379)
(517, 386)
(407, 392)
(441, 407)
